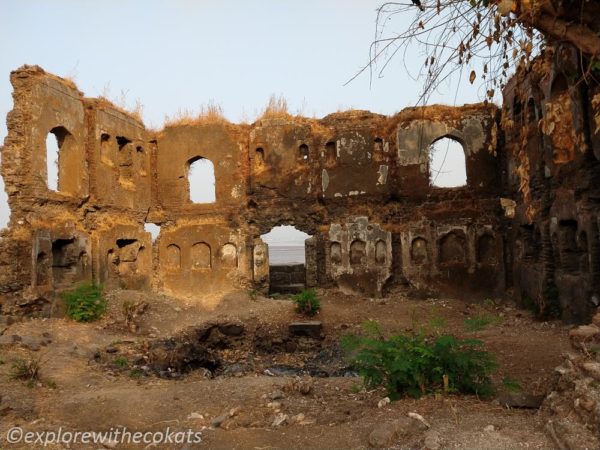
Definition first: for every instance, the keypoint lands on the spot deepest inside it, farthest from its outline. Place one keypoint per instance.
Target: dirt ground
(82, 388)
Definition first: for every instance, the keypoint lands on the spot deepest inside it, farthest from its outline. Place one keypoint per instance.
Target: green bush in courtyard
(85, 303)
(307, 302)
(416, 365)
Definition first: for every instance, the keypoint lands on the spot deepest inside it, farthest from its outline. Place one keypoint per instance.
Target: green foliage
(135, 373)
(307, 302)
(415, 365)
(356, 388)
(121, 362)
(511, 385)
(479, 322)
(85, 303)
(489, 303)
(372, 328)
(437, 323)
(25, 370)
(252, 294)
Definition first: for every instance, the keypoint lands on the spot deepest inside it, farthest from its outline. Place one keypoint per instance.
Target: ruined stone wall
(338, 179)
(57, 238)
(357, 182)
(553, 147)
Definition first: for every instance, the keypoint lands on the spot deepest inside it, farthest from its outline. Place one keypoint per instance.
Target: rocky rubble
(573, 407)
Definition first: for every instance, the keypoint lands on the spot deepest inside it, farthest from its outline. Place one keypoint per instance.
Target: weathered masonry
(360, 184)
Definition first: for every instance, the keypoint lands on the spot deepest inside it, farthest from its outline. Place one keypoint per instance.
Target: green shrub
(511, 385)
(415, 365)
(307, 302)
(121, 362)
(85, 303)
(479, 322)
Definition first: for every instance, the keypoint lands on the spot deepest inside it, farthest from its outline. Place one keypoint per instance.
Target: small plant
(51, 384)
(121, 362)
(307, 302)
(415, 365)
(437, 323)
(356, 388)
(478, 323)
(372, 328)
(26, 370)
(135, 373)
(253, 294)
(85, 303)
(511, 385)
(489, 303)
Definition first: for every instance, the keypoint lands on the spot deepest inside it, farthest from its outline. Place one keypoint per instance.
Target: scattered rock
(386, 433)
(109, 444)
(298, 418)
(489, 428)
(311, 329)
(279, 420)
(420, 418)
(111, 349)
(384, 401)
(584, 334)
(276, 395)
(218, 421)
(432, 440)
(194, 416)
(592, 368)
(520, 400)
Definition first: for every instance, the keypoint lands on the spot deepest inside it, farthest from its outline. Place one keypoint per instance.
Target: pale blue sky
(184, 53)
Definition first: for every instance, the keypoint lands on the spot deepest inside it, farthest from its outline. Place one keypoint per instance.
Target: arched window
(201, 180)
(418, 251)
(303, 153)
(62, 158)
(173, 257)
(380, 252)
(52, 150)
(259, 157)
(228, 255)
(330, 153)
(447, 166)
(335, 253)
(201, 256)
(4, 208)
(358, 252)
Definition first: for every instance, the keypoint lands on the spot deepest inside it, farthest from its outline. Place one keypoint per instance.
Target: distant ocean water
(286, 254)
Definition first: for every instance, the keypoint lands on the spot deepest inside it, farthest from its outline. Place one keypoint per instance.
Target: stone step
(287, 288)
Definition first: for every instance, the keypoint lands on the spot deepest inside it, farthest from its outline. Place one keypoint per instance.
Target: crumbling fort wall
(552, 145)
(357, 182)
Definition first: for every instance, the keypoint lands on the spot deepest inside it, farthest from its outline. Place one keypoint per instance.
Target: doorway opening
(287, 249)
